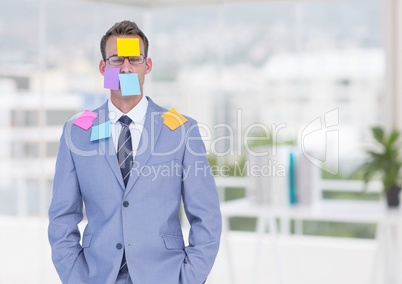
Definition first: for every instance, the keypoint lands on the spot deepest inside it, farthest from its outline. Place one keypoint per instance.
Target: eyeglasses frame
(128, 58)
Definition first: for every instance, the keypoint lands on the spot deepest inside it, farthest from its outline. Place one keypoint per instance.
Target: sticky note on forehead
(128, 47)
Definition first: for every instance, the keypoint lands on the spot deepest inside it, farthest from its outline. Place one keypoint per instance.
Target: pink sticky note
(85, 120)
(111, 78)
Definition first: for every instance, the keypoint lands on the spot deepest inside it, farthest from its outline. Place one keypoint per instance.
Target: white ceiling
(172, 3)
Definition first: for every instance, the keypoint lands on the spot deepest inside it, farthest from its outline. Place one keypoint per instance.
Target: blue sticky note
(111, 78)
(129, 84)
(101, 131)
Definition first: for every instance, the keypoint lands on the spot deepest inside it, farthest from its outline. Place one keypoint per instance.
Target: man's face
(126, 67)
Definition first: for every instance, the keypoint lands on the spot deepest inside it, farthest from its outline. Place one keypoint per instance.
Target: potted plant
(385, 162)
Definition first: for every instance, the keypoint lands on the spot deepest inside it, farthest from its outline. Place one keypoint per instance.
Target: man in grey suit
(133, 234)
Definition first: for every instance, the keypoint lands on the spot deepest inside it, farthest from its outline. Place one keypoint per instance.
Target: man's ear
(102, 66)
(148, 65)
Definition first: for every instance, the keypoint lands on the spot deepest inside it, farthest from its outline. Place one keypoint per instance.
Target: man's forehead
(112, 42)
(113, 38)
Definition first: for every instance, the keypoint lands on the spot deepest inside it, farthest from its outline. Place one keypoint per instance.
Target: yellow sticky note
(128, 47)
(173, 119)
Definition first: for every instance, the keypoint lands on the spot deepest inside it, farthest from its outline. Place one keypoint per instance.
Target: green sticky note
(128, 47)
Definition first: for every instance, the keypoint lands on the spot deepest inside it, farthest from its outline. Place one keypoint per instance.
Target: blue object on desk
(292, 189)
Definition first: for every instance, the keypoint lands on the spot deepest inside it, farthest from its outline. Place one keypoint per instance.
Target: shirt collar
(136, 114)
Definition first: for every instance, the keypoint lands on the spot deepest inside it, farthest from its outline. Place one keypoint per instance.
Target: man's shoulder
(87, 112)
(163, 110)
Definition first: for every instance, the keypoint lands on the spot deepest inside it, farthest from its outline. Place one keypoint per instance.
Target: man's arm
(201, 204)
(65, 211)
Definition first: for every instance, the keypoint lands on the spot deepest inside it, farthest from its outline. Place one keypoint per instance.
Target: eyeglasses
(115, 60)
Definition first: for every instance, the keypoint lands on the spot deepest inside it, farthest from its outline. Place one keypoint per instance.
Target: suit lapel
(149, 137)
(106, 146)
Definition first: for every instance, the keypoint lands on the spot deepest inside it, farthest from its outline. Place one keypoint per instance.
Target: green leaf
(393, 137)
(385, 160)
(378, 134)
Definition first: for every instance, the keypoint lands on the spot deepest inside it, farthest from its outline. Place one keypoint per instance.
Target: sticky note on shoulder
(128, 47)
(173, 119)
(101, 131)
(85, 120)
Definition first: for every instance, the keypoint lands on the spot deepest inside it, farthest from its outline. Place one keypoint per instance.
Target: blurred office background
(248, 65)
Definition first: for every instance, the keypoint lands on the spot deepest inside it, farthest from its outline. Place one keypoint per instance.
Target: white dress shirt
(137, 115)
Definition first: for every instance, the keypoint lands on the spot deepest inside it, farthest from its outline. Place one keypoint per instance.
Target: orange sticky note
(173, 119)
(128, 47)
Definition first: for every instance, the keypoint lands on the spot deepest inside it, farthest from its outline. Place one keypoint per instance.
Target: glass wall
(270, 64)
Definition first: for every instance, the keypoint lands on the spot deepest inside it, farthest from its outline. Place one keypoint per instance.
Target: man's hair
(123, 28)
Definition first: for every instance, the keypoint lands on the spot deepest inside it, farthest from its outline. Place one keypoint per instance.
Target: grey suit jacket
(142, 219)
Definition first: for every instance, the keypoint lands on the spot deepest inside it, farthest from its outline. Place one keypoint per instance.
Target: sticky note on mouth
(85, 120)
(128, 47)
(173, 119)
(129, 84)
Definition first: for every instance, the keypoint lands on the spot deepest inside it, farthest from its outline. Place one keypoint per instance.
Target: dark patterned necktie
(125, 149)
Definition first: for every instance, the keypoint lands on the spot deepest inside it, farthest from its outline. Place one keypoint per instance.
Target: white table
(389, 223)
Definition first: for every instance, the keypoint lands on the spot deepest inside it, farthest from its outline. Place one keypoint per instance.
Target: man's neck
(125, 104)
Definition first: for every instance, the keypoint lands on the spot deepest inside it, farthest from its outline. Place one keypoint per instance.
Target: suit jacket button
(119, 246)
(125, 203)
